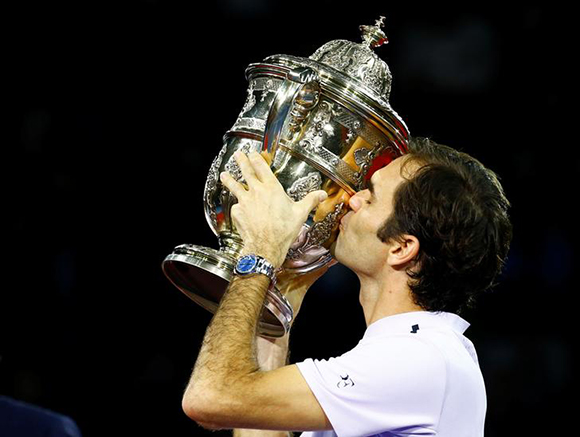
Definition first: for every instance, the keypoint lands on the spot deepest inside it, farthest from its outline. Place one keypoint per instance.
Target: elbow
(190, 408)
(198, 407)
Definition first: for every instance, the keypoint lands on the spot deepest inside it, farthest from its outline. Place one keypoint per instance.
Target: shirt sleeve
(394, 383)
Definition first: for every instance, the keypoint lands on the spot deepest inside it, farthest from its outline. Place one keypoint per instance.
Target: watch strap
(261, 266)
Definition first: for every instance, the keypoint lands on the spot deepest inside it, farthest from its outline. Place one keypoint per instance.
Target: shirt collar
(405, 323)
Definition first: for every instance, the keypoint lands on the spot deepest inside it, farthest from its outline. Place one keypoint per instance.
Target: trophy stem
(203, 274)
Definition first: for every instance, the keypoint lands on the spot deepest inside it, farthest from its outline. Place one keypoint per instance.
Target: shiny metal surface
(203, 275)
(323, 122)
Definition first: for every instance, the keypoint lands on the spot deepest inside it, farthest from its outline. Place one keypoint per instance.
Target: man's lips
(344, 219)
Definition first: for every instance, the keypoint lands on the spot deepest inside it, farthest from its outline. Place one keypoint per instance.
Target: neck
(385, 297)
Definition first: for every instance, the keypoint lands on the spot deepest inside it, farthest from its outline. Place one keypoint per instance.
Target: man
(429, 234)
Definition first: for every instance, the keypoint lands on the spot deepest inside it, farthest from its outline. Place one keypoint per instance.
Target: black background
(115, 113)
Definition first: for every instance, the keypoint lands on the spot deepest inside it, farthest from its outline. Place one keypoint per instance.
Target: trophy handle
(297, 96)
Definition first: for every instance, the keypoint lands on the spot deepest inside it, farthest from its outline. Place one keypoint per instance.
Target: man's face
(357, 245)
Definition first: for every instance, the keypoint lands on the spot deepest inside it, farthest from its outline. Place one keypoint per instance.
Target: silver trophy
(323, 122)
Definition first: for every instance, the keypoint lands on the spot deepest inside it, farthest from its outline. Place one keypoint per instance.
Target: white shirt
(411, 374)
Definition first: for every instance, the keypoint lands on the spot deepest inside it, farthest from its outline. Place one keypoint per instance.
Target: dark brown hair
(458, 211)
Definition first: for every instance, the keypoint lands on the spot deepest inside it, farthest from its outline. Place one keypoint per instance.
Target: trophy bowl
(323, 122)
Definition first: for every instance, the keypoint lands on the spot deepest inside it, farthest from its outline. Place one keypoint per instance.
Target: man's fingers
(261, 167)
(267, 156)
(311, 200)
(231, 184)
(246, 167)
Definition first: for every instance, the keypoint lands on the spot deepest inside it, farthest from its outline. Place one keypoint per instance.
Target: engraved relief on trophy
(320, 130)
(320, 232)
(361, 156)
(313, 242)
(232, 166)
(359, 61)
(211, 184)
(302, 186)
(260, 95)
(217, 200)
(250, 100)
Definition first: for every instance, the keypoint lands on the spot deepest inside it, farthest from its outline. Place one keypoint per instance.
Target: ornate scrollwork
(211, 186)
(245, 123)
(250, 100)
(302, 186)
(319, 125)
(358, 60)
(232, 166)
(318, 233)
(361, 156)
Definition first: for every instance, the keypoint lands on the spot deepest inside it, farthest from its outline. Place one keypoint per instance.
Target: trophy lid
(358, 61)
(350, 73)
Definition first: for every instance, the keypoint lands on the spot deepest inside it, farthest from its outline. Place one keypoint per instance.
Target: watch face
(246, 264)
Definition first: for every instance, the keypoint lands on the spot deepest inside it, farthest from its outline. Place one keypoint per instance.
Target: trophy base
(203, 274)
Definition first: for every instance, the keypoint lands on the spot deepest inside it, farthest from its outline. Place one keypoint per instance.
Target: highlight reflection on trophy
(324, 122)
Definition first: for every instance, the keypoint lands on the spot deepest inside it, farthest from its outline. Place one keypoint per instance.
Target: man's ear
(403, 250)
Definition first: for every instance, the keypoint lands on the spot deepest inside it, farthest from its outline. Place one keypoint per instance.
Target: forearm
(228, 351)
(260, 433)
(272, 353)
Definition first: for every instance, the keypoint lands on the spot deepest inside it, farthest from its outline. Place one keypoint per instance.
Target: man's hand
(266, 218)
(228, 388)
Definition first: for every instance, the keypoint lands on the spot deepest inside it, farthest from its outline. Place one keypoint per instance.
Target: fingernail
(323, 196)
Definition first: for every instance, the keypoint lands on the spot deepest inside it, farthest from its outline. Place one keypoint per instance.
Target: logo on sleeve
(345, 381)
(414, 328)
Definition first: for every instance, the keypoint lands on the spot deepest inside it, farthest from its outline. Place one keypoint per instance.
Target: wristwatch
(253, 264)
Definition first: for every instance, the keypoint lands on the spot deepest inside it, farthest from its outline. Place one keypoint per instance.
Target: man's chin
(332, 249)
(336, 250)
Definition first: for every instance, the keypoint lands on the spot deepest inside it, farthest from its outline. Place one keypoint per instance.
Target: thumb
(311, 200)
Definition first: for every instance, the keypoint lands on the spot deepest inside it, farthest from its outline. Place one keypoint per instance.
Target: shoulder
(384, 364)
(407, 351)
(385, 382)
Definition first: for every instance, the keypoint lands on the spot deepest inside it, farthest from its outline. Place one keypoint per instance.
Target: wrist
(252, 264)
(273, 256)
